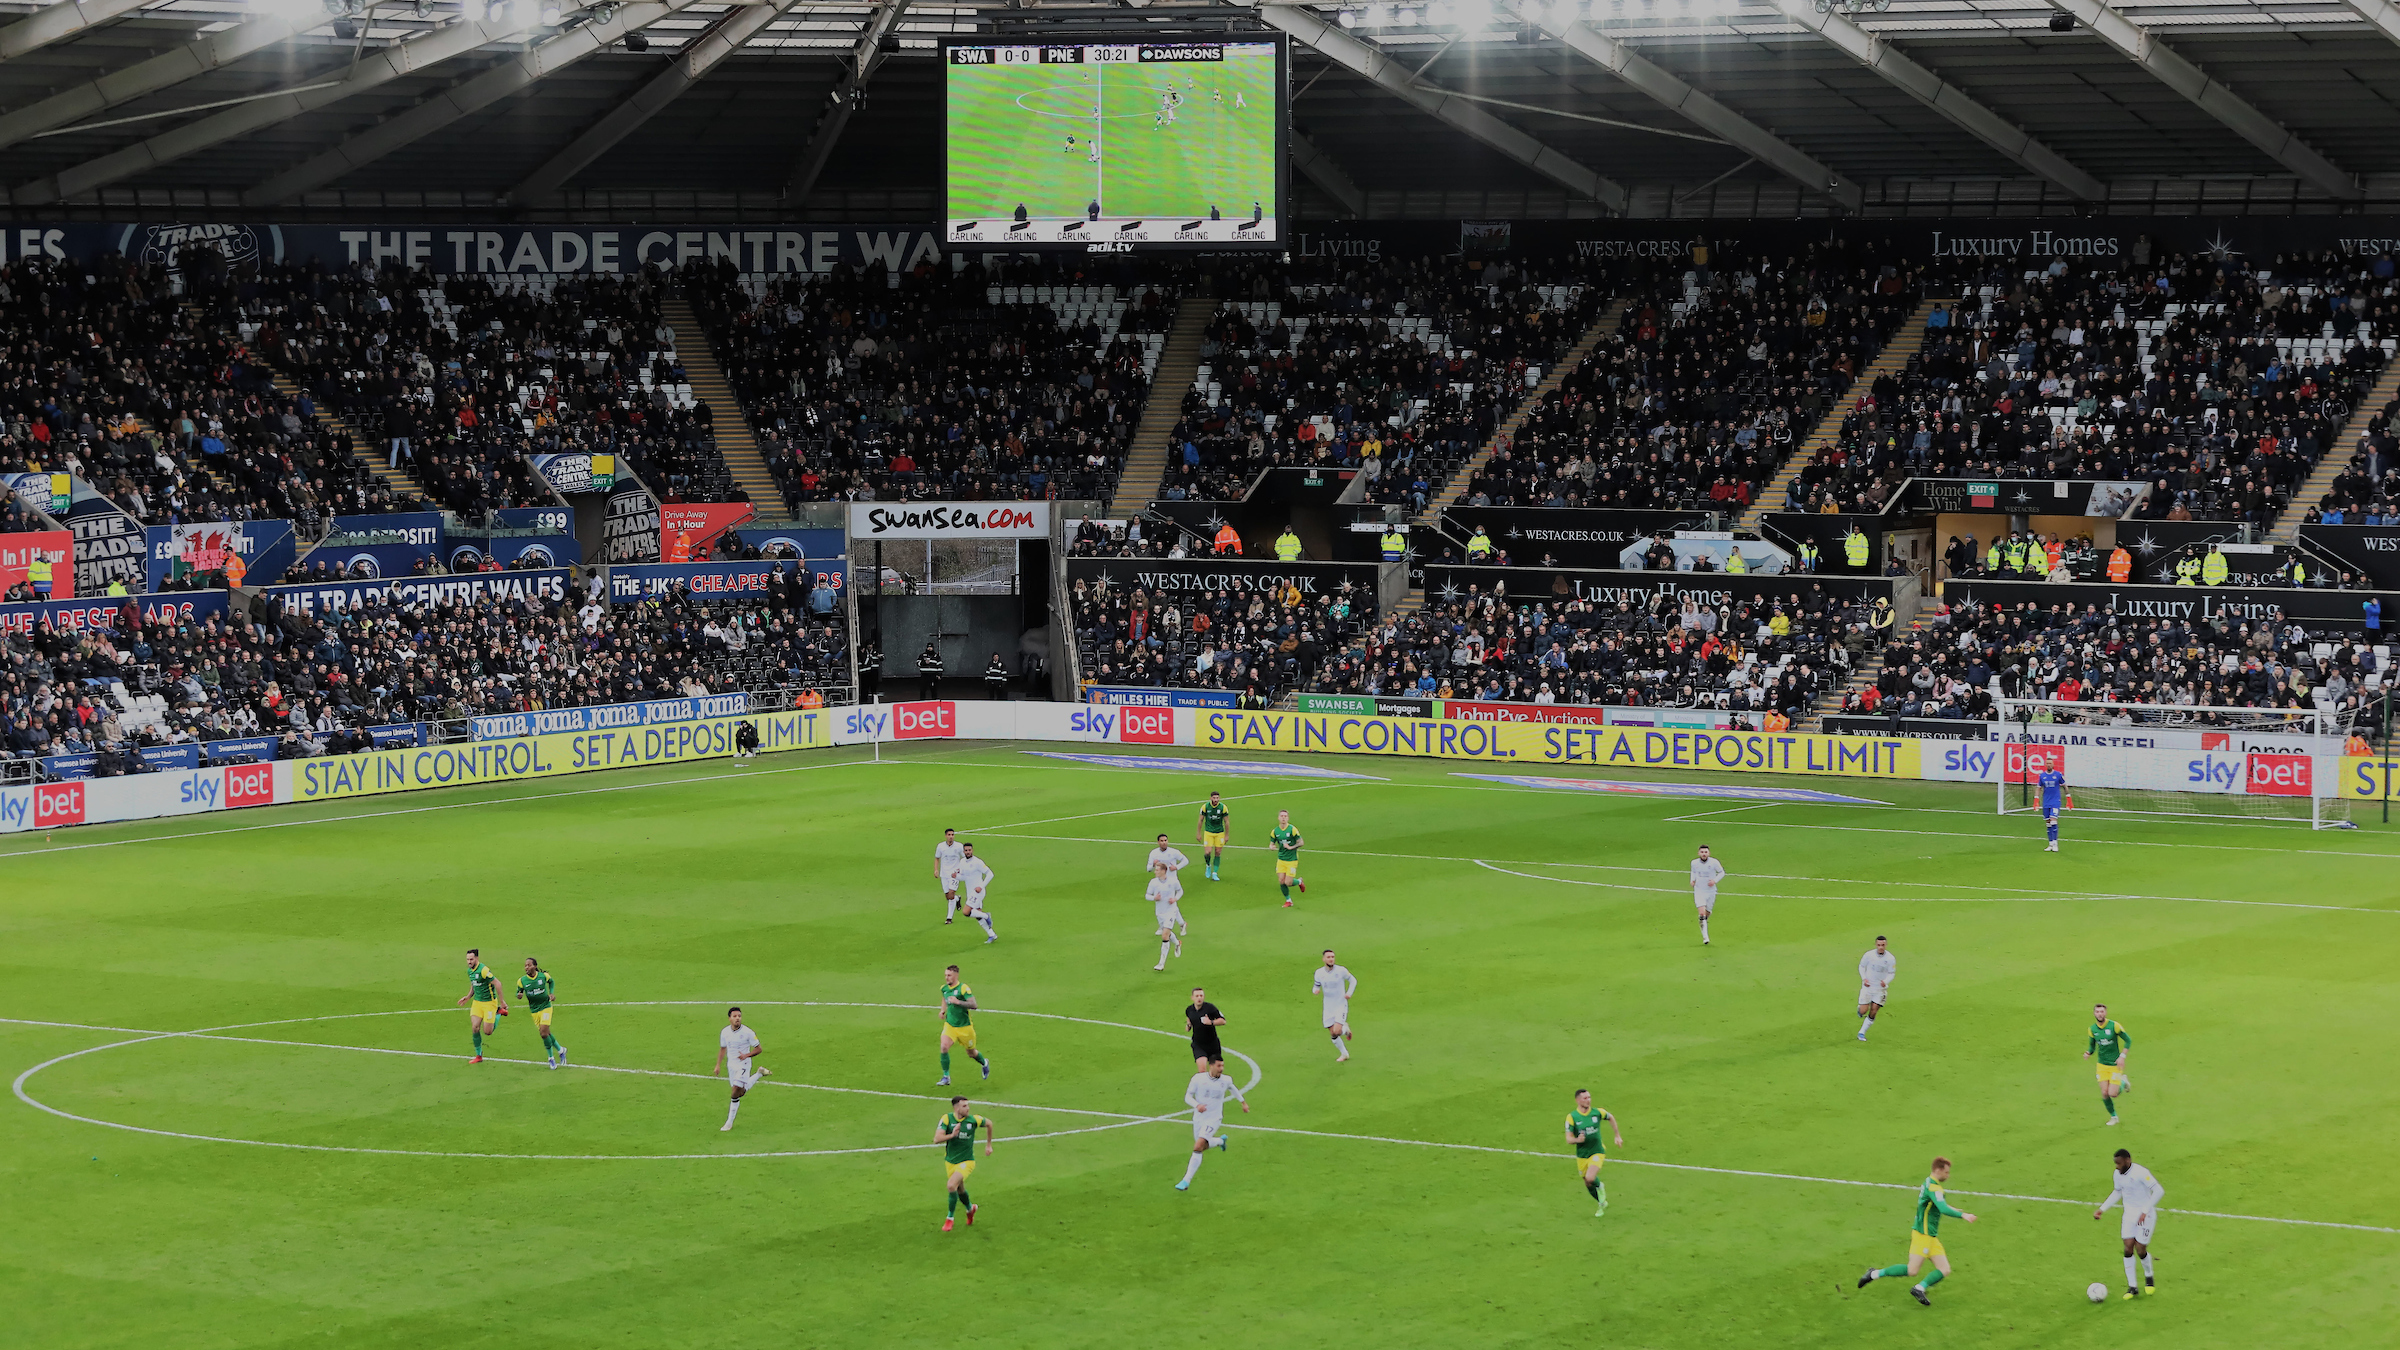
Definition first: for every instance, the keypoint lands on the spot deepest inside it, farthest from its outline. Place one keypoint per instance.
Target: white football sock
(2147, 1267)
(1704, 930)
(951, 910)
(2131, 1281)
(1864, 1023)
(1192, 1168)
(733, 1110)
(1162, 952)
(986, 921)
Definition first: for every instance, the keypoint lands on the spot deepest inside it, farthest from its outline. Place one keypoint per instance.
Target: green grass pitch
(1009, 125)
(1419, 1195)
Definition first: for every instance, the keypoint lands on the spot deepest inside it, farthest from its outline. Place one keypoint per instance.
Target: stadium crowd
(1957, 665)
(318, 683)
(869, 385)
(158, 407)
(1714, 376)
(2216, 385)
(1260, 644)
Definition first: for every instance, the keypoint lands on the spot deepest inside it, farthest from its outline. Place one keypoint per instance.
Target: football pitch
(244, 1114)
(1009, 127)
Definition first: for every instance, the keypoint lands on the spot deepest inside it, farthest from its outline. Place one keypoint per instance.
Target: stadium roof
(1642, 107)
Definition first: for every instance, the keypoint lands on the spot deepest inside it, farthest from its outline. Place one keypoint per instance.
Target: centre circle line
(1116, 1119)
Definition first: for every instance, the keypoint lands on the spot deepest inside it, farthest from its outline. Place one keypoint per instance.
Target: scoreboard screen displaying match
(1115, 145)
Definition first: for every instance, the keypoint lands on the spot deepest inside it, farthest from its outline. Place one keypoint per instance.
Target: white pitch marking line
(1122, 1122)
(1772, 895)
(1165, 806)
(1117, 1119)
(2016, 892)
(1790, 1176)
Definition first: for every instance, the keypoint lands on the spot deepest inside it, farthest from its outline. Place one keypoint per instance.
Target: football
(2098, 1293)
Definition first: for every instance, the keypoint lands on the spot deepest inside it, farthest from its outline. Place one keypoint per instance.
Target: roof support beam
(147, 77)
(1934, 92)
(382, 66)
(1380, 67)
(2381, 13)
(699, 56)
(1326, 174)
(531, 66)
(1706, 113)
(60, 22)
(865, 58)
(2144, 49)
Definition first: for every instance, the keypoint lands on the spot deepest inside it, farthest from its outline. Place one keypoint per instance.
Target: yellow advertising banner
(1535, 743)
(519, 757)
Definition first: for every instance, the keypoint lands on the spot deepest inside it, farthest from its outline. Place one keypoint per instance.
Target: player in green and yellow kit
(955, 1132)
(958, 1027)
(483, 1003)
(1211, 833)
(2113, 1045)
(1287, 857)
(1583, 1131)
(539, 991)
(1925, 1237)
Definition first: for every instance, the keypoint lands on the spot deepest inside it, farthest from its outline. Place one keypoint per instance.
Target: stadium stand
(963, 387)
(2217, 385)
(317, 683)
(1260, 645)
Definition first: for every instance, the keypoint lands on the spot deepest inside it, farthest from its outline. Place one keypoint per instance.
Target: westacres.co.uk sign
(973, 520)
(1200, 576)
(451, 249)
(536, 587)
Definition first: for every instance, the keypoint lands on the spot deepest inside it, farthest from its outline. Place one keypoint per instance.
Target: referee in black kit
(1204, 1020)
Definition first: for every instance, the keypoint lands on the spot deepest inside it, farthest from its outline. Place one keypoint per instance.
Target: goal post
(2165, 759)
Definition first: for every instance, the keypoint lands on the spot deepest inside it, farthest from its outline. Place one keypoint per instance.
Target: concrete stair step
(1456, 488)
(736, 441)
(1905, 342)
(2337, 455)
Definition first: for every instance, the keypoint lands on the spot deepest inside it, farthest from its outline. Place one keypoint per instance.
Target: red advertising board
(17, 552)
(704, 521)
(2279, 775)
(57, 804)
(1146, 726)
(922, 721)
(1559, 714)
(2027, 763)
(250, 785)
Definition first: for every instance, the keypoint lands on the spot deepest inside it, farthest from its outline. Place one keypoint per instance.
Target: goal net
(2168, 759)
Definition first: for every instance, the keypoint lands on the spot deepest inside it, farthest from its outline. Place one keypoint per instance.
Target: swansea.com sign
(972, 520)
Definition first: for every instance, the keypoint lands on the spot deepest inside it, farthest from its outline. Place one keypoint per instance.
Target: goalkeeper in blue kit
(2054, 791)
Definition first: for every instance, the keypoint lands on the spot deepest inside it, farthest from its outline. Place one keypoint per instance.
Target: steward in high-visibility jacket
(2187, 572)
(38, 573)
(2214, 569)
(1991, 556)
(2016, 554)
(1854, 547)
(2299, 573)
(1809, 556)
(2036, 561)
(1395, 546)
(2120, 567)
(1287, 545)
(1736, 564)
(1479, 548)
(1228, 541)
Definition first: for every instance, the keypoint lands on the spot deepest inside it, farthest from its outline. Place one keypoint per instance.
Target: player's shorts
(2139, 1232)
(1869, 996)
(1583, 1165)
(1212, 840)
(739, 1078)
(2109, 1073)
(541, 1018)
(1337, 1012)
(971, 901)
(962, 1037)
(960, 1170)
(2050, 813)
(484, 1012)
(1285, 871)
(1167, 911)
(1206, 1123)
(950, 885)
(1921, 1245)
(1704, 897)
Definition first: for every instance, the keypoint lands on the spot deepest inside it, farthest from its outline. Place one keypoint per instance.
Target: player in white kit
(2140, 1193)
(1875, 972)
(946, 857)
(1176, 862)
(1166, 897)
(1335, 985)
(975, 878)
(737, 1055)
(1206, 1096)
(1706, 873)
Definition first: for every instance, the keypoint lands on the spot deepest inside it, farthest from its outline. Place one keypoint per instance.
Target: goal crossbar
(2172, 759)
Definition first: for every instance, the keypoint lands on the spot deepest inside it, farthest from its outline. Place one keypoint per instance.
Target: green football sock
(954, 1204)
(945, 1064)
(1932, 1279)
(479, 1050)
(1601, 1190)
(1287, 892)
(1889, 1271)
(981, 1060)
(962, 1198)
(550, 1041)
(1593, 1187)
(2110, 1103)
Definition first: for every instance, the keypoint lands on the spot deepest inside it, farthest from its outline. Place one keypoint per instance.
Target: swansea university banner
(1601, 747)
(379, 771)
